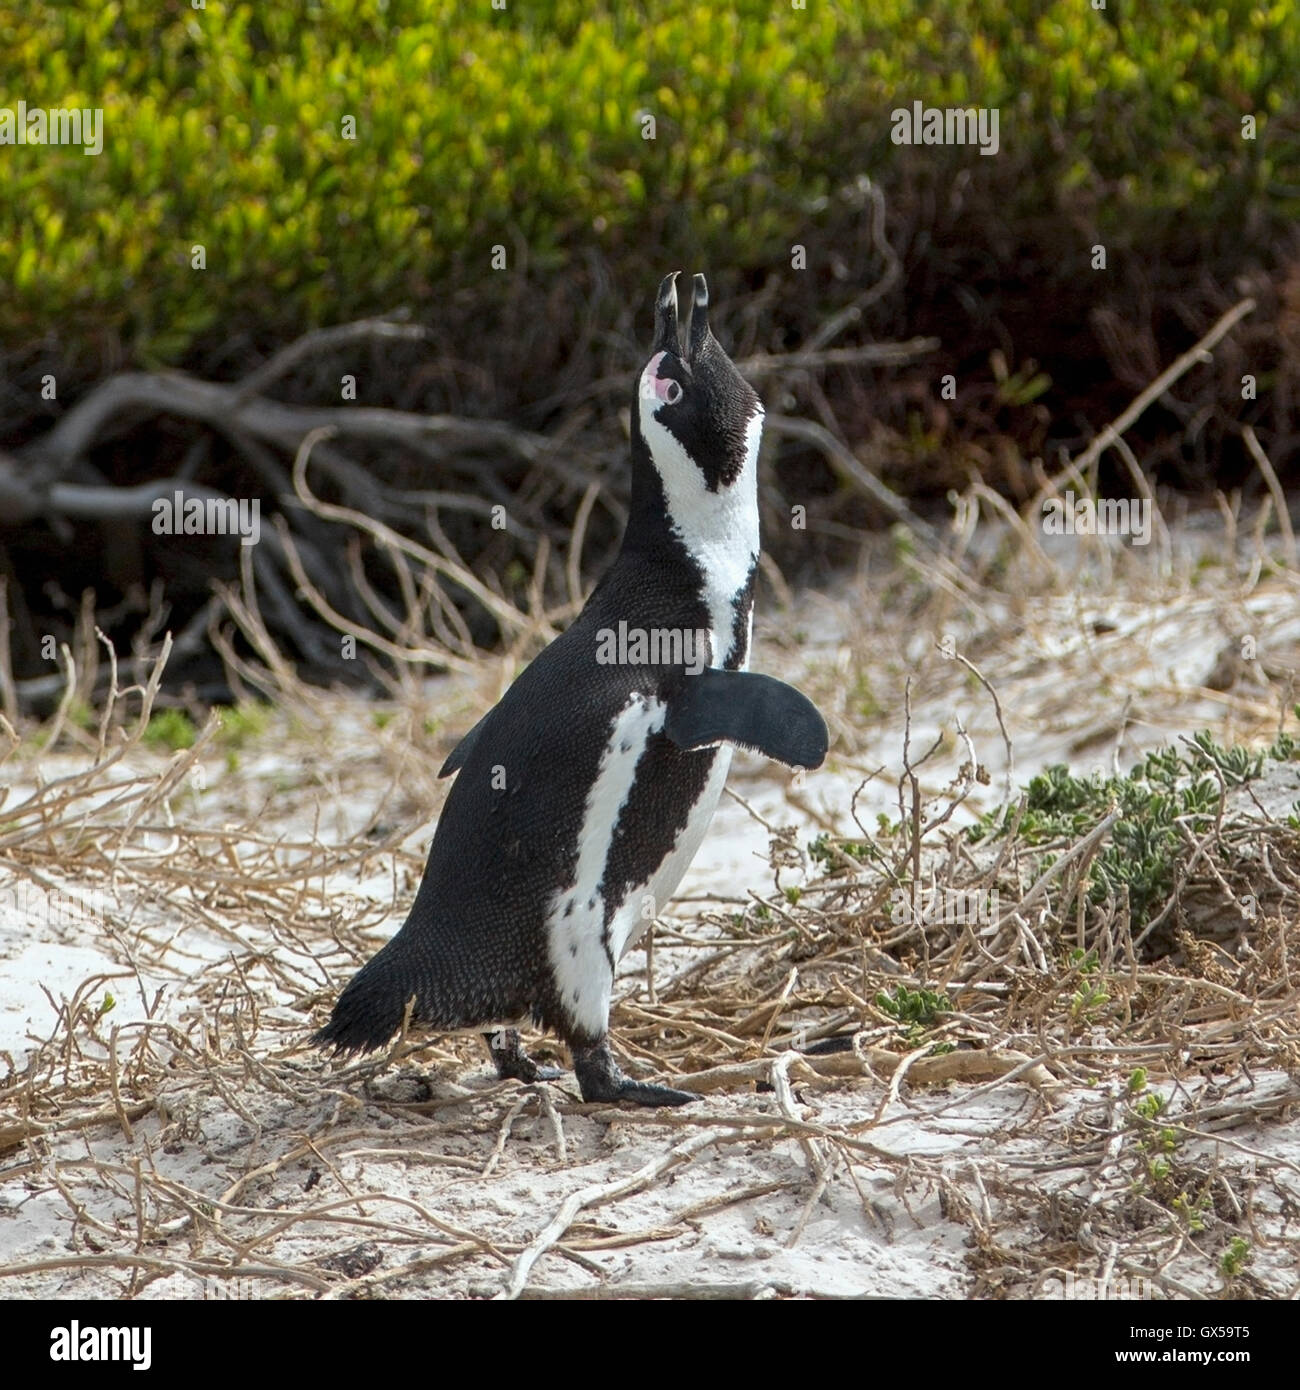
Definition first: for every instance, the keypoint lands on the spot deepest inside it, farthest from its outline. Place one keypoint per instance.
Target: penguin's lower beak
(667, 338)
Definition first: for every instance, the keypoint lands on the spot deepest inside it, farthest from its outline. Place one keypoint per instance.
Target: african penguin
(582, 797)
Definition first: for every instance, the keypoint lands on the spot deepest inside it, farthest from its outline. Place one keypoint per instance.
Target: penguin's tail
(371, 1008)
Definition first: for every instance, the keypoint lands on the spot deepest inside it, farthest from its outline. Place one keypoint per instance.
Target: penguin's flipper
(458, 756)
(749, 709)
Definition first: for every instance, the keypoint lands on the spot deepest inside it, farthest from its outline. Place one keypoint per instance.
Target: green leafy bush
(1161, 792)
(474, 126)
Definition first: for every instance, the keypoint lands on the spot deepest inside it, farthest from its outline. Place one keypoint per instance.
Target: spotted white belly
(582, 960)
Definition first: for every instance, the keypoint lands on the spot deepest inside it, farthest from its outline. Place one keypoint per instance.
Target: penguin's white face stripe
(653, 387)
(580, 963)
(719, 529)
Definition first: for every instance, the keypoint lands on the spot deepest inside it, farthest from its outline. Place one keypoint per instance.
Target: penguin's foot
(512, 1062)
(600, 1078)
(825, 1047)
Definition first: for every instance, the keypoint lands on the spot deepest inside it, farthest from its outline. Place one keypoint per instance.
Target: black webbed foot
(512, 1062)
(601, 1078)
(826, 1047)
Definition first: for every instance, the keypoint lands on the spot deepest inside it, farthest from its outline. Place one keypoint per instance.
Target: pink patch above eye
(656, 387)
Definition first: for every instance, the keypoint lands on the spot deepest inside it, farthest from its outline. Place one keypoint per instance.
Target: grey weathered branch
(847, 465)
(225, 407)
(323, 341)
(1198, 352)
(766, 364)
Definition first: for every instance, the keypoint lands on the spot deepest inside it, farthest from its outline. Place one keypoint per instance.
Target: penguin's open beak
(667, 338)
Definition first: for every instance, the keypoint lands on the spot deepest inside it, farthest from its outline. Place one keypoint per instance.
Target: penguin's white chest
(719, 530)
(582, 951)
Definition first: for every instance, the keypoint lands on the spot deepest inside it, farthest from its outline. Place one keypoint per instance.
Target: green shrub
(170, 728)
(521, 127)
(1165, 790)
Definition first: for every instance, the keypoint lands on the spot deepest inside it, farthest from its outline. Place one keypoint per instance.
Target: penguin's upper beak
(699, 330)
(667, 338)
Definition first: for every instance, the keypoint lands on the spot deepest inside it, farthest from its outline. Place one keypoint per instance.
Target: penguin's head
(698, 417)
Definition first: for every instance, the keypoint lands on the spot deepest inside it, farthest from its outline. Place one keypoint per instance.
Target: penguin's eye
(673, 392)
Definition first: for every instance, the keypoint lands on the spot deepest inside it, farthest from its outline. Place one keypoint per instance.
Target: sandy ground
(269, 1172)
